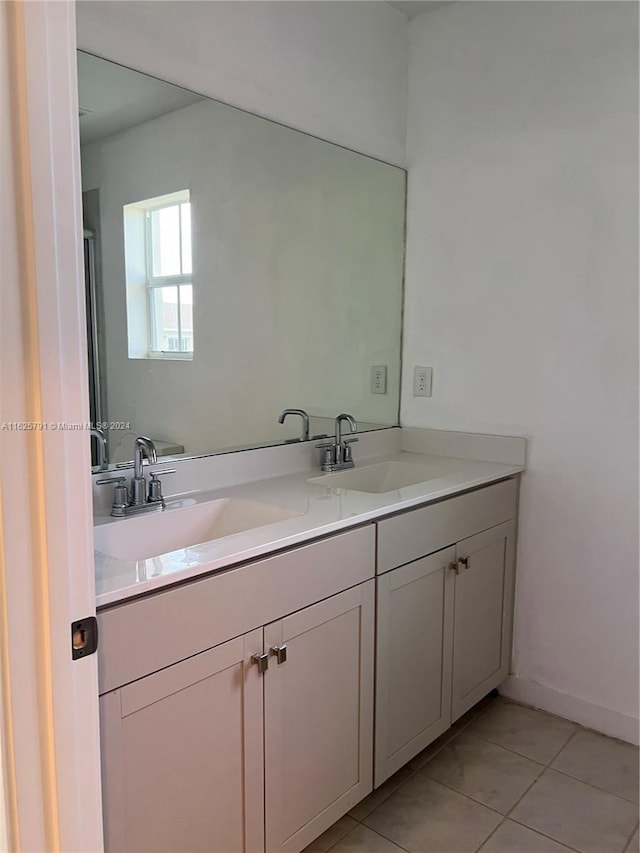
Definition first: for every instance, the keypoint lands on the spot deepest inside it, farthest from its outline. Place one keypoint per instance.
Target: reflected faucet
(103, 457)
(305, 421)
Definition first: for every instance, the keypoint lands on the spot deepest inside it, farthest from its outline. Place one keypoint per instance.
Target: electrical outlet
(422, 381)
(379, 379)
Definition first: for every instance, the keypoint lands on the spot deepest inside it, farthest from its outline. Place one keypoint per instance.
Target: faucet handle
(162, 471)
(120, 494)
(155, 486)
(115, 481)
(348, 453)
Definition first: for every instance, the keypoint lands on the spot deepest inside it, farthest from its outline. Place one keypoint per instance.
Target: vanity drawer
(413, 534)
(146, 635)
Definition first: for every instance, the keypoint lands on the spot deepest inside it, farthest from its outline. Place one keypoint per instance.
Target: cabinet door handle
(262, 662)
(454, 567)
(280, 653)
(465, 562)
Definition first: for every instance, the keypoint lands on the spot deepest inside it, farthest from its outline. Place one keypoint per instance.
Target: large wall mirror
(235, 268)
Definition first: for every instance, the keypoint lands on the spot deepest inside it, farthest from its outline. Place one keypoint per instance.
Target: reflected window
(158, 273)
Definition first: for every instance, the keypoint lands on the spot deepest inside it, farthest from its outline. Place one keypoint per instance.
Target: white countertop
(320, 509)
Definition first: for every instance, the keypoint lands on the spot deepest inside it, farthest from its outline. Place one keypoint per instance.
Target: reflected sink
(145, 536)
(380, 478)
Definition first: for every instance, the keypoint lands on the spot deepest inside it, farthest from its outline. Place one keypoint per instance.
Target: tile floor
(504, 779)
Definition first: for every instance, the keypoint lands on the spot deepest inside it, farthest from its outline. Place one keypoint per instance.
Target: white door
(50, 711)
(183, 756)
(318, 716)
(413, 659)
(483, 617)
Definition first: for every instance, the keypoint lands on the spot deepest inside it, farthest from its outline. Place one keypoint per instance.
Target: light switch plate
(379, 379)
(422, 381)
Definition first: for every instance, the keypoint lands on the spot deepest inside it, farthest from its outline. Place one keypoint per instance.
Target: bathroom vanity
(290, 629)
(237, 692)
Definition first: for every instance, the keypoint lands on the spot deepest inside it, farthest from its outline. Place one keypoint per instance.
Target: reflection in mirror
(235, 269)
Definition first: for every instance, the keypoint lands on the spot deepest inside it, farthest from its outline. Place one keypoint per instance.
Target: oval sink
(380, 478)
(145, 536)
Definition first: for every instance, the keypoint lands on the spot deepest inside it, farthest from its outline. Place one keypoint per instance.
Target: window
(158, 272)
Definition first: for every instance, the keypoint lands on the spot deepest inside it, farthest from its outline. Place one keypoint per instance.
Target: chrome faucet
(337, 453)
(142, 447)
(305, 422)
(138, 498)
(103, 457)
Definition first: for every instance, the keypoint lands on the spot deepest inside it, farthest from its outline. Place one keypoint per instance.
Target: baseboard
(605, 720)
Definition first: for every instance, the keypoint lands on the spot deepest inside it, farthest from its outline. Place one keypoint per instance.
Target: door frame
(50, 702)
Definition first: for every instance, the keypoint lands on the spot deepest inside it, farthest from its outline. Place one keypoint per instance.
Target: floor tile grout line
(628, 841)
(375, 832)
(491, 834)
(412, 773)
(528, 788)
(549, 714)
(562, 748)
(521, 754)
(544, 835)
(579, 727)
(507, 816)
(466, 796)
(508, 749)
(549, 764)
(475, 717)
(526, 791)
(342, 837)
(536, 831)
(417, 770)
(591, 785)
(503, 818)
(544, 769)
(544, 766)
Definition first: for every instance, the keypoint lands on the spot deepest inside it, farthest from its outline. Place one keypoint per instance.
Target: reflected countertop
(319, 510)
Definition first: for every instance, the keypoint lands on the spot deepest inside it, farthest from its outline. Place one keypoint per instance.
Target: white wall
(334, 69)
(522, 277)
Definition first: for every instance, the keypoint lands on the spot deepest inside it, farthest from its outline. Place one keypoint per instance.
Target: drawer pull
(465, 562)
(262, 662)
(454, 567)
(280, 653)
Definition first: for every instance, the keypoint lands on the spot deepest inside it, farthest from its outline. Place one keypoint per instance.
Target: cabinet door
(413, 668)
(318, 717)
(483, 615)
(183, 756)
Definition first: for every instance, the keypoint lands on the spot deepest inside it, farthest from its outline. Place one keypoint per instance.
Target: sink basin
(380, 478)
(145, 536)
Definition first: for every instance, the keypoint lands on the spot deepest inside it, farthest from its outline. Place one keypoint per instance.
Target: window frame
(157, 282)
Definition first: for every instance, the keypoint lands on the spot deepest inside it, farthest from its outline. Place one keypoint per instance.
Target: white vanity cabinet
(318, 717)
(413, 665)
(238, 709)
(187, 749)
(483, 615)
(182, 755)
(444, 616)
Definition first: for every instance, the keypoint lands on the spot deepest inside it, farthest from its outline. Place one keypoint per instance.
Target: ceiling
(113, 98)
(412, 8)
